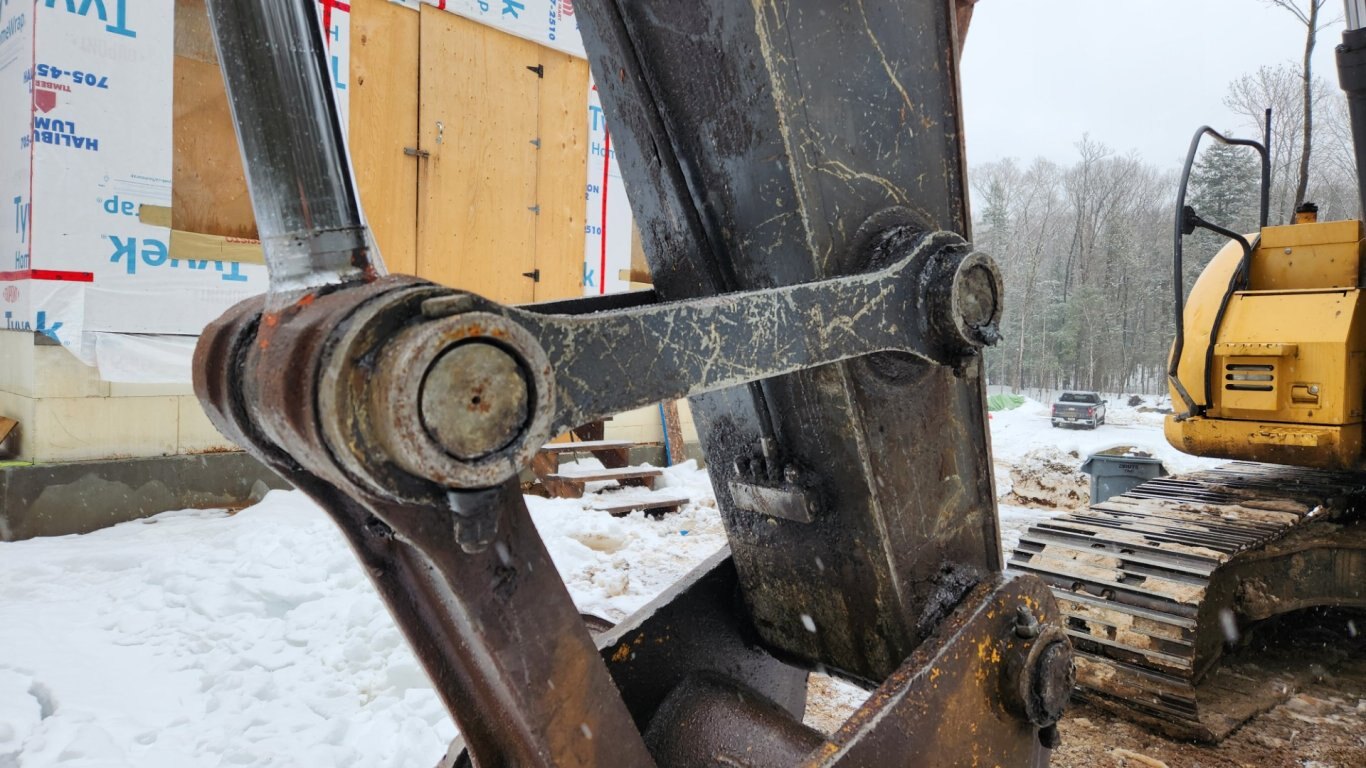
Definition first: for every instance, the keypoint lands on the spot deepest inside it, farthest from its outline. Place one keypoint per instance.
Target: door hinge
(536, 142)
(536, 209)
(534, 274)
(539, 69)
(415, 152)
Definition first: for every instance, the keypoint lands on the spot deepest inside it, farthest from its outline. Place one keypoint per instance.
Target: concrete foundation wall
(80, 497)
(66, 413)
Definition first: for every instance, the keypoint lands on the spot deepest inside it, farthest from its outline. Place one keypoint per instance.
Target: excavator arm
(796, 171)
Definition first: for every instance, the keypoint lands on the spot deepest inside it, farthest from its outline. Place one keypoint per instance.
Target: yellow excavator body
(1153, 582)
(1281, 377)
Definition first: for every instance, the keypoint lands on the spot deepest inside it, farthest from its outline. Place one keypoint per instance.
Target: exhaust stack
(1351, 56)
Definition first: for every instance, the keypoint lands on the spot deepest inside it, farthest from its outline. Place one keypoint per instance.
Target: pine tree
(1225, 190)
(997, 215)
(1225, 187)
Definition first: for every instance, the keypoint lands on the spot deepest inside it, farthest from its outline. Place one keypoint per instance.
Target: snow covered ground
(1036, 463)
(199, 638)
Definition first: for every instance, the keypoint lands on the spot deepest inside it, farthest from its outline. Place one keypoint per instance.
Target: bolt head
(1051, 683)
(1026, 626)
(969, 315)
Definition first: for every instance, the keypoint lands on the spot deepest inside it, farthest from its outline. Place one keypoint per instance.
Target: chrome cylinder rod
(293, 145)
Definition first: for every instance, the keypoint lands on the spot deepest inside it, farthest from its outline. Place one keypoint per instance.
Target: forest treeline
(1086, 249)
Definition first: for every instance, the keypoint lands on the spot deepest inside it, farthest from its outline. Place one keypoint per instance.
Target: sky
(1136, 75)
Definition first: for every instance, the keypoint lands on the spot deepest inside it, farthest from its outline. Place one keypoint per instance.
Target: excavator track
(1158, 584)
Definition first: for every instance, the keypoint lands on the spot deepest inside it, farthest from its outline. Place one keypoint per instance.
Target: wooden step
(569, 485)
(614, 454)
(587, 446)
(622, 473)
(658, 506)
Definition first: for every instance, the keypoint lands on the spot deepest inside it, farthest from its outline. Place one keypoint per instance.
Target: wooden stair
(570, 485)
(613, 454)
(656, 506)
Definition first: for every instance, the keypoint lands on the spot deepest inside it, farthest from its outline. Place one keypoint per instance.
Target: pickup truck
(1079, 409)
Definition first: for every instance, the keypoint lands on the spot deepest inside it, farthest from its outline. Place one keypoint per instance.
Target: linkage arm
(498, 382)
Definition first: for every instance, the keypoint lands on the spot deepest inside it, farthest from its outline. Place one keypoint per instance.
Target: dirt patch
(829, 702)
(1324, 726)
(1047, 478)
(1321, 726)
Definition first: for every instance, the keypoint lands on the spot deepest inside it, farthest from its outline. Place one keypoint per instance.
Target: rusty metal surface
(694, 628)
(949, 704)
(509, 654)
(483, 624)
(936, 299)
(1154, 582)
(987, 689)
(691, 629)
(938, 302)
(473, 400)
(710, 720)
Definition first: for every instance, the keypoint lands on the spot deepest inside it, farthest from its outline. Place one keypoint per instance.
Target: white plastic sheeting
(92, 83)
(144, 358)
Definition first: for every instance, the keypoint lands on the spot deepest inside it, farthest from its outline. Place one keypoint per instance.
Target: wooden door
(561, 175)
(477, 186)
(383, 123)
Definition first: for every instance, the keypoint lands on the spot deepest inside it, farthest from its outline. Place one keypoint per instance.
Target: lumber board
(208, 186)
(383, 121)
(599, 475)
(570, 485)
(657, 507)
(673, 429)
(588, 445)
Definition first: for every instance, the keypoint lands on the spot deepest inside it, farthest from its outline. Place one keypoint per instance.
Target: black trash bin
(1119, 470)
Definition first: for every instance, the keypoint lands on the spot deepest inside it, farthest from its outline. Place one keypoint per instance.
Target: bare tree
(1277, 88)
(1083, 252)
(1310, 19)
(1333, 177)
(1037, 217)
